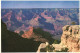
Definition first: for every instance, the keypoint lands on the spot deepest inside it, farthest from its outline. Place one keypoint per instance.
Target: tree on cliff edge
(73, 23)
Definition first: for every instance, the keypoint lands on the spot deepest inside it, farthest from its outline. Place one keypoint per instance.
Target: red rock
(29, 33)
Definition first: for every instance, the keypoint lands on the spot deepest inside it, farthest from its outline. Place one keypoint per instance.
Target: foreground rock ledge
(70, 39)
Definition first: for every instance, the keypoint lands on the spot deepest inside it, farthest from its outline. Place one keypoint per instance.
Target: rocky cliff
(70, 40)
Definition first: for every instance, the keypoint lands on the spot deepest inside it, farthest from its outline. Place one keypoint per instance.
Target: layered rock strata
(70, 39)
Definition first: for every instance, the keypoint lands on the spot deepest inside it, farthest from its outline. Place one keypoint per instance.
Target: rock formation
(49, 19)
(70, 39)
(29, 33)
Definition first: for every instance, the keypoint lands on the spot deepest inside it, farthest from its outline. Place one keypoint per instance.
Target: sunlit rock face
(71, 38)
(42, 46)
(29, 33)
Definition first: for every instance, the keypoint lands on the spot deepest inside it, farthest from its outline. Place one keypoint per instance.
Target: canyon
(70, 39)
(51, 19)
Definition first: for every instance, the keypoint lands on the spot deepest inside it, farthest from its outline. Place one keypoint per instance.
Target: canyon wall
(70, 39)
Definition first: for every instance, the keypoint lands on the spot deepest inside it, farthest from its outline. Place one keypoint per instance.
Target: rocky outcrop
(70, 39)
(42, 46)
(29, 33)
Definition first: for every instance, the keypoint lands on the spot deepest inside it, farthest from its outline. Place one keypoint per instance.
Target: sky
(39, 4)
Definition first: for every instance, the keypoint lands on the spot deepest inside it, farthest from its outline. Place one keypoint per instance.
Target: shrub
(67, 28)
(73, 23)
(56, 42)
(47, 48)
(63, 50)
(21, 32)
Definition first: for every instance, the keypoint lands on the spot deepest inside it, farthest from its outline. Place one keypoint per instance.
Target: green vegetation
(47, 48)
(63, 50)
(71, 30)
(50, 48)
(67, 28)
(45, 35)
(21, 32)
(56, 42)
(43, 50)
(12, 42)
(73, 23)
